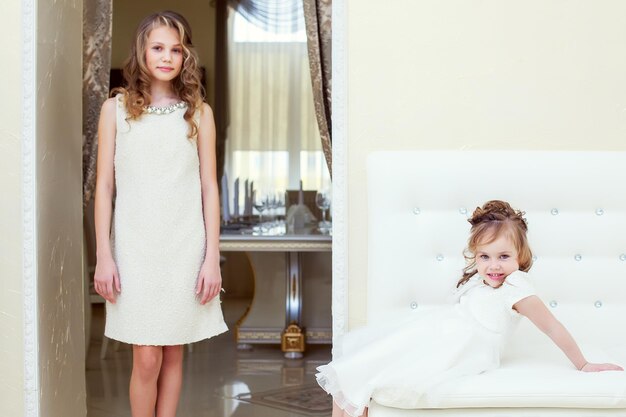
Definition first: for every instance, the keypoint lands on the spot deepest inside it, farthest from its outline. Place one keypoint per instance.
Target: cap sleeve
(518, 286)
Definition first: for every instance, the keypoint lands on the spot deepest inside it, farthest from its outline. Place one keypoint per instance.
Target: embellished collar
(165, 109)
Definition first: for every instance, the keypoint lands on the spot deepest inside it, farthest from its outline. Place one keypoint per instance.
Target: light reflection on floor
(215, 374)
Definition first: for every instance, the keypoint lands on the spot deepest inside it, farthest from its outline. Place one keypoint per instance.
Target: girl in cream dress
(157, 213)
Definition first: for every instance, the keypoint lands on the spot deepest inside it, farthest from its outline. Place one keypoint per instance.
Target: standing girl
(461, 339)
(157, 249)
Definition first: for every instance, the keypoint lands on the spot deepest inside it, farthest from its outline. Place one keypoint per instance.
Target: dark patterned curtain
(97, 17)
(317, 15)
(220, 112)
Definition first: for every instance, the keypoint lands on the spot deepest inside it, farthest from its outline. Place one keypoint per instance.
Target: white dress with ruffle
(158, 235)
(415, 356)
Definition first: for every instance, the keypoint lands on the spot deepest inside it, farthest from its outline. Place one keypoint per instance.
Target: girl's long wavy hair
(187, 85)
(489, 222)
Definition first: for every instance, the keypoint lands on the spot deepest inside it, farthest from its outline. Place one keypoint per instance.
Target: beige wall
(59, 209)
(199, 13)
(11, 317)
(495, 74)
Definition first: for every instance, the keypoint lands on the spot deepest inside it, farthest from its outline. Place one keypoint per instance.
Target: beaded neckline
(164, 109)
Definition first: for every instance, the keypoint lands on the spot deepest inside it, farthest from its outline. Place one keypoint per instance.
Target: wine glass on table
(260, 203)
(322, 201)
(281, 212)
(277, 204)
(272, 204)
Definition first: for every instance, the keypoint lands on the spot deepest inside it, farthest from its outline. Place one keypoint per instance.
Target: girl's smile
(496, 276)
(496, 260)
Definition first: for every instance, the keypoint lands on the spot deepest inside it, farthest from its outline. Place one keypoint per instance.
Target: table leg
(292, 342)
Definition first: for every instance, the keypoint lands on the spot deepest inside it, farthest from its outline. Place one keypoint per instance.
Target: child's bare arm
(106, 277)
(209, 280)
(536, 311)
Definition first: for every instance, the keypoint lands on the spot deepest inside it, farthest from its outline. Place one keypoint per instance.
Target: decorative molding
(250, 245)
(29, 209)
(318, 336)
(340, 173)
(260, 335)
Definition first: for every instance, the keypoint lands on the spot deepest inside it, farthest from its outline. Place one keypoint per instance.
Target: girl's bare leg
(170, 381)
(338, 412)
(143, 380)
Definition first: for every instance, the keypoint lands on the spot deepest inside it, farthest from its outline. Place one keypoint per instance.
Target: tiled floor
(217, 377)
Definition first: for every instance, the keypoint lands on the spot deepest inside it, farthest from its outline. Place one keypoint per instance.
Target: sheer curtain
(273, 137)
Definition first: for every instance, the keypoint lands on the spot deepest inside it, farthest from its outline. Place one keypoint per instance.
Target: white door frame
(29, 214)
(340, 170)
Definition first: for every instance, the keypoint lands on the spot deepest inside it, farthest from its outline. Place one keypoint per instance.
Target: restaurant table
(291, 302)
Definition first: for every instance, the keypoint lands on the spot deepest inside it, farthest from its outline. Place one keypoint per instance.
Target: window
(273, 137)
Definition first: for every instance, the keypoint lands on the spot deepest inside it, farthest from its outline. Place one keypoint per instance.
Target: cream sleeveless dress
(158, 235)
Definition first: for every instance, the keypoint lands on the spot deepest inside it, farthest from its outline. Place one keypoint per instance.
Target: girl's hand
(209, 281)
(599, 367)
(106, 279)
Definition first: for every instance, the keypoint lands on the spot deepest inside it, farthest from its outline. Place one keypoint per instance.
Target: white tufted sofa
(575, 204)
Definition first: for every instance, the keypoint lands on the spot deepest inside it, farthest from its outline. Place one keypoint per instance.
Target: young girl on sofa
(456, 340)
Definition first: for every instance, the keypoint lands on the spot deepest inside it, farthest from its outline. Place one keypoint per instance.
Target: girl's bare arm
(536, 311)
(210, 280)
(106, 277)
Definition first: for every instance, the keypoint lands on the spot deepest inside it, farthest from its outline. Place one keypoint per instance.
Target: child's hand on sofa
(599, 367)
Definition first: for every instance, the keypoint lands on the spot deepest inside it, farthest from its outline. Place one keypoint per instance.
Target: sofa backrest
(575, 204)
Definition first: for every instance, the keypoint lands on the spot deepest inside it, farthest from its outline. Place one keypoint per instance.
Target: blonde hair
(187, 84)
(489, 222)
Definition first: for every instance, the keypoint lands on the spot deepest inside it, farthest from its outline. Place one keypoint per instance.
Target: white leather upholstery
(575, 204)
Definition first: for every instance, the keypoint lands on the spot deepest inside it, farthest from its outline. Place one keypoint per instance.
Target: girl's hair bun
(497, 211)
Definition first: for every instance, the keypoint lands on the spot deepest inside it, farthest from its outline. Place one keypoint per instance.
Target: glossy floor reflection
(219, 380)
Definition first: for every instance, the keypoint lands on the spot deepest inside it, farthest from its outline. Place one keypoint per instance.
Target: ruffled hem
(327, 379)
